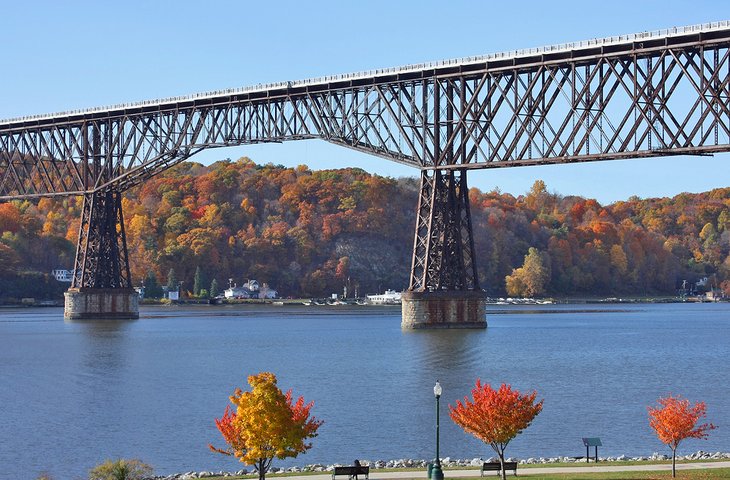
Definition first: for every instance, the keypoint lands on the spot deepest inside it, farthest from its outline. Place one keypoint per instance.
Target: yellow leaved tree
(267, 424)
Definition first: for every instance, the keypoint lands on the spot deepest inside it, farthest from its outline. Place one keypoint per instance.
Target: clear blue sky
(63, 55)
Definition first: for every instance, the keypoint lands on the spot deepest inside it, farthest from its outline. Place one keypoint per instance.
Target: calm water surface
(75, 393)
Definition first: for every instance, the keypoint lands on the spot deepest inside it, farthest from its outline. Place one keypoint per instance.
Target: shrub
(120, 469)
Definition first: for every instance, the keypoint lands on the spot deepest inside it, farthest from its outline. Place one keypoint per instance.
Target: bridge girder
(661, 96)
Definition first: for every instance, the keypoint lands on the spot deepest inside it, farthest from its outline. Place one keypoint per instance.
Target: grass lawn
(708, 474)
(617, 464)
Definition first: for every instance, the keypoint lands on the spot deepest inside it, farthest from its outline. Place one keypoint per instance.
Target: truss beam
(659, 96)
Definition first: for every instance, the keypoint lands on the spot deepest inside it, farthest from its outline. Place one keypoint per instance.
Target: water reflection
(447, 350)
(102, 324)
(453, 357)
(102, 350)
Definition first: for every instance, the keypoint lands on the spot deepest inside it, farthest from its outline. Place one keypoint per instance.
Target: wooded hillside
(310, 233)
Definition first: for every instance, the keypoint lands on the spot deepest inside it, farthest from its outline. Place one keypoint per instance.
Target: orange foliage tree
(674, 420)
(496, 416)
(267, 424)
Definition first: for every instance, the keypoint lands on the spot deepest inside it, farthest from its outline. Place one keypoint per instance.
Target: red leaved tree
(496, 416)
(674, 420)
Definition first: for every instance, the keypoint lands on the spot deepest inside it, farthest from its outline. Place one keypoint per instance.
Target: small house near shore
(237, 292)
(251, 289)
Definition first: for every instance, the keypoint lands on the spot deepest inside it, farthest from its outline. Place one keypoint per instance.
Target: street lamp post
(436, 472)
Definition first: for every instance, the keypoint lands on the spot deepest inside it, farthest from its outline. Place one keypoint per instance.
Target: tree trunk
(674, 462)
(501, 462)
(261, 467)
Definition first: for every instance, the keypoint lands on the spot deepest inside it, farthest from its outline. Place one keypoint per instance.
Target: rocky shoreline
(446, 462)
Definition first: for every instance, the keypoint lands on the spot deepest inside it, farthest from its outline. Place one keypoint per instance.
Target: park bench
(497, 467)
(351, 471)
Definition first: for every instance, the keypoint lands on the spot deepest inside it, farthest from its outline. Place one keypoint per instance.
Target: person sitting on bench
(358, 465)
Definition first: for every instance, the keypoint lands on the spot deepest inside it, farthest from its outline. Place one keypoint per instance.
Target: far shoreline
(357, 302)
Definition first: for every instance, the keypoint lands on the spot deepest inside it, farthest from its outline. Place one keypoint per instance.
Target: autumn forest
(311, 233)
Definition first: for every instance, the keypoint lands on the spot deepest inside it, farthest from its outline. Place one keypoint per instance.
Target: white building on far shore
(63, 275)
(390, 297)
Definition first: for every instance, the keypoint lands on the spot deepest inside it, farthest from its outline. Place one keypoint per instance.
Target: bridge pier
(444, 287)
(101, 286)
(444, 309)
(101, 303)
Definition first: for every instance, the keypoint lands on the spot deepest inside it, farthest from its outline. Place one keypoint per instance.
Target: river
(75, 393)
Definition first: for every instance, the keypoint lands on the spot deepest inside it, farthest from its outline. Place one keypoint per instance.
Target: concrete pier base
(101, 304)
(444, 309)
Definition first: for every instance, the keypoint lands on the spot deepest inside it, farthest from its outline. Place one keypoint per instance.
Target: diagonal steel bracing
(101, 250)
(443, 250)
(648, 95)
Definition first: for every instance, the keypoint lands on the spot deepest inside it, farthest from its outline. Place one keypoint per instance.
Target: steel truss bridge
(642, 95)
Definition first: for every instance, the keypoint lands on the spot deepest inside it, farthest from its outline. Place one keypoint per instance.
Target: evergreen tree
(172, 284)
(214, 288)
(152, 288)
(197, 281)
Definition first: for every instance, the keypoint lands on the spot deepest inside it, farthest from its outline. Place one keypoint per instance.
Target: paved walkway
(522, 471)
